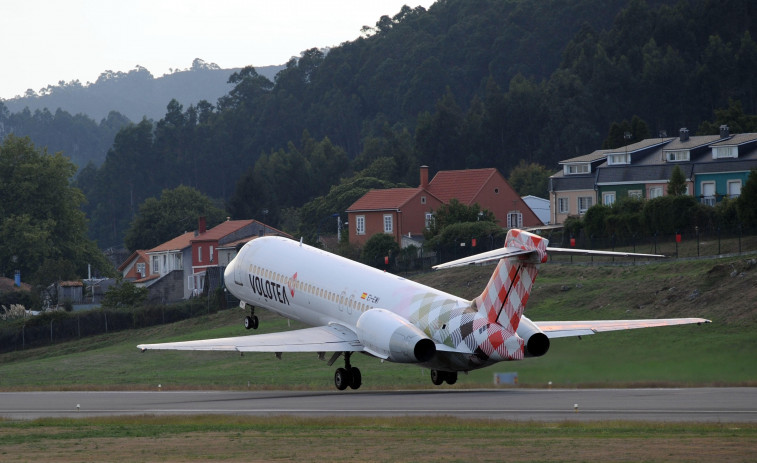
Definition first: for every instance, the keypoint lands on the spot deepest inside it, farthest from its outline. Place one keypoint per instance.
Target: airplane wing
(331, 338)
(588, 252)
(564, 329)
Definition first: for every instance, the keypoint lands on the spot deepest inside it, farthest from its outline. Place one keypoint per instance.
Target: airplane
(351, 307)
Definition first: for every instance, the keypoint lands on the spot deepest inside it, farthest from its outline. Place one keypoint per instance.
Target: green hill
(720, 353)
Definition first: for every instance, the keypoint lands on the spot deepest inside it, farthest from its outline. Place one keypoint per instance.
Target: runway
(697, 404)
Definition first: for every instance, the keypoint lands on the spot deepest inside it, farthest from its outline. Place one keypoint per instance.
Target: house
(539, 206)
(405, 212)
(714, 166)
(212, 250)
(136, 267)
(396, 211)
(489, 189)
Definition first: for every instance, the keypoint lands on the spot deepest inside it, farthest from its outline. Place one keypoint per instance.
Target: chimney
(725, 132)
(424, 177)
(684, 132)
(201, 228)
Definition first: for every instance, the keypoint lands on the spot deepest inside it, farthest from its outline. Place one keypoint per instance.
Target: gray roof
(640, 174)
(692, 142)
(725, 165)
(572, 182)
(595, 156)
(738, 139)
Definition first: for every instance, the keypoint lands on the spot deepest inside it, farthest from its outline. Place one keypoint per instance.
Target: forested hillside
(468, 83)
(135, 94)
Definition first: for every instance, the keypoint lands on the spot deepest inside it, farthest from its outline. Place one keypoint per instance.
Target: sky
(48, 41)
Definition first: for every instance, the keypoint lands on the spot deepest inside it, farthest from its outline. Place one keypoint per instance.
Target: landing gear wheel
(356, 378)
(341, 379)
(251, 321)
(437, 377)
(450, 377)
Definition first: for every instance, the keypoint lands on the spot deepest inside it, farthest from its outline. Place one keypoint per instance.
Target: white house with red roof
(178, 268)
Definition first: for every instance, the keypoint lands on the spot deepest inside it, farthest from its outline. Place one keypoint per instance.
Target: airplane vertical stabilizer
(506, 294)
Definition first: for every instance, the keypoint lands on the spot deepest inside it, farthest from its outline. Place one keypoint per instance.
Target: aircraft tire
(437, 377)
(341, 379)
(248, 322)
(450, 377)
(356, 379)
(255, 322)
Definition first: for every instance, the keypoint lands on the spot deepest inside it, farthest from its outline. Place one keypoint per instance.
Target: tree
(456, 212)
(40, 217)
(378, 247)
(174, 213)
(677, 183)
(125, 294)
(746, 204)
(530, 179)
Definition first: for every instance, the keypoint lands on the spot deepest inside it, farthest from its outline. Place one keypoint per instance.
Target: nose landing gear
(251, 321)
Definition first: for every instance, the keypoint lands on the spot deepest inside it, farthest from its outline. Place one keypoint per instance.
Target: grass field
(229, 438)
(721, 353)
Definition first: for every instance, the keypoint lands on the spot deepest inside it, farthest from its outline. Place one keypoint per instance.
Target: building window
(360, 225)
(655, 192)
(177, 261)
(618, 158)
(388, 223)
(576, 169)
(141, 269)
(721, 152)
(677, 156)
(199, 254)
(635, 194)
(608, 198)
(514, 219)
(423, 200)
(734, 188)
(429, 220)
(584, 203)
(563, 206)
(708, 193)
(155, 262)
(211, 253)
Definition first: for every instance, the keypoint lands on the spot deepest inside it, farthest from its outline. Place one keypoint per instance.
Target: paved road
(700, 404)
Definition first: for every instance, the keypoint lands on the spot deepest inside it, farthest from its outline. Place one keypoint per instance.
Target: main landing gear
(251, 321)
(347, 376)
(438, 377)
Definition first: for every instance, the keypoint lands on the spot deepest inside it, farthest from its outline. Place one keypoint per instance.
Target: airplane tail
(507, 292)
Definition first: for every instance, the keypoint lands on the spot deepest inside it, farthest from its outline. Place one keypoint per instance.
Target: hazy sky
(46, 41)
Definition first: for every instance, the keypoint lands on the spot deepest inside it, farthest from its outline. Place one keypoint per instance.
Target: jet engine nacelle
(537, 343)
(388, 335)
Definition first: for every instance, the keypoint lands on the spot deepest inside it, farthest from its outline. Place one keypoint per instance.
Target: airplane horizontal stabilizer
(562, 329)
(488, 256)
(588, 252)
(332, 338)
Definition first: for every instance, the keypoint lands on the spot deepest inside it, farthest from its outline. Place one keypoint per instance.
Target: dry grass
(179, 439)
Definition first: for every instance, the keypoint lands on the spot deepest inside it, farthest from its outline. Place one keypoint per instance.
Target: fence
(53, 327)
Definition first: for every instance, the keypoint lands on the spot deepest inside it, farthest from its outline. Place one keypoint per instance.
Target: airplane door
(238, 268)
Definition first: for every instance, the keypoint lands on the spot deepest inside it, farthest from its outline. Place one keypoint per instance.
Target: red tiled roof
(138, 253)
(176, 244)
(462, 185)
(389, 199)
(222, 229)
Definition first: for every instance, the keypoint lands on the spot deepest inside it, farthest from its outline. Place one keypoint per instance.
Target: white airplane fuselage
(318, 288)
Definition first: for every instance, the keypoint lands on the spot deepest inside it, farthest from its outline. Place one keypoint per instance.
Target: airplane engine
(537, 343)
(390, 336)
